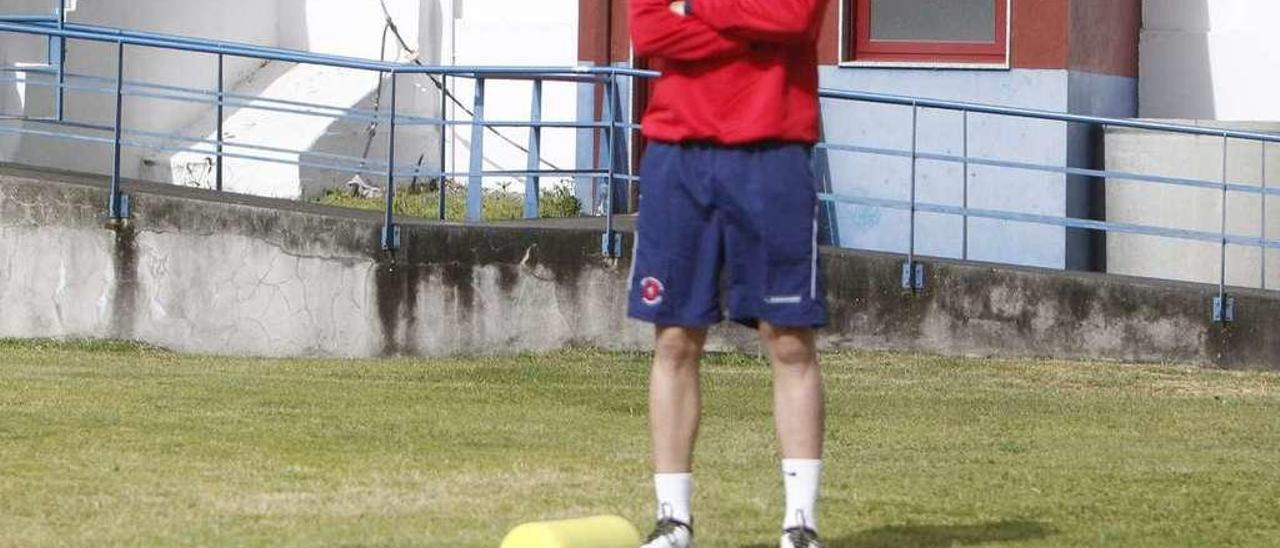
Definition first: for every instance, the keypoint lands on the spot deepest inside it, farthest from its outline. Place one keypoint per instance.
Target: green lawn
(557, 201)
(116, 445)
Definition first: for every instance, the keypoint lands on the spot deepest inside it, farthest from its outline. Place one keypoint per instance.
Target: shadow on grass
(937, 536)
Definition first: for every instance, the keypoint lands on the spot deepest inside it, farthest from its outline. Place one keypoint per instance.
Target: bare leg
(798, 415)
(797, 391)
(674, 399)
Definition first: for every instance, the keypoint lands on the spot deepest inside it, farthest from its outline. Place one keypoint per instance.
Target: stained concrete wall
(1168, 206)
(207, 273)
(276, 278)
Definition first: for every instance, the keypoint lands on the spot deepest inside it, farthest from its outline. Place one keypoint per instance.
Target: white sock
(800, 477)
(675, 491)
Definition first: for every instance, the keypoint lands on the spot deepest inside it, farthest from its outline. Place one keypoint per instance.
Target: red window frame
(862, 48)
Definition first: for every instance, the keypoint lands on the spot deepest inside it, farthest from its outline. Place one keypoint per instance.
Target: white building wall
(513, 33)
(1210, 60)
(474, 32)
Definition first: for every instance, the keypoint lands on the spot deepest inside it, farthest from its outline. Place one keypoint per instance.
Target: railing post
(391, 232)
(913, 273)
(444, 129)
(531, 184)
(600, 185)
(964, 233)
(221, 99)
(1264, 214)
(59, 46)
(610, 243)
(628, 137)
(475, 184)
(118, 206)
(1223, 306)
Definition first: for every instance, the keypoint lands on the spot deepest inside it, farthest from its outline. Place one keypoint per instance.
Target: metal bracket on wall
(913, 276)
(390, 237)
(119, 208)
(611, 244)
(1224, 309)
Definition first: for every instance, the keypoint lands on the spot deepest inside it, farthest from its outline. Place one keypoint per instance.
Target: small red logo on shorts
(651, 291)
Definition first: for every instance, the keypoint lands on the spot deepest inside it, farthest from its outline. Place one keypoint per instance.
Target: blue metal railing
(58, 30)
(612, 127)
(1223, 306)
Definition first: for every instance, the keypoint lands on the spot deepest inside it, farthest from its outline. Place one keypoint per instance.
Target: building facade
(1204, 63)
(1076, 56)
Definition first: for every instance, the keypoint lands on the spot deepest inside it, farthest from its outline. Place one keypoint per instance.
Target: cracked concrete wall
(198, 288)
(254, 278)
(199, 272)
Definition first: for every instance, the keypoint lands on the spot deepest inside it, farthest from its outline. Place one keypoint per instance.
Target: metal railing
(611, 126)
(913, 275)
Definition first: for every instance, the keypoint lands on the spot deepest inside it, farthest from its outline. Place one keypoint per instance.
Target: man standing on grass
(727, 185)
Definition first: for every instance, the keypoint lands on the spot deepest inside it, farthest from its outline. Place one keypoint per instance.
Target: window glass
(933, 20)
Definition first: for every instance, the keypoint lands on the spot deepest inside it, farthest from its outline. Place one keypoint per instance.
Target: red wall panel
(1104, 36)
(1039, 37)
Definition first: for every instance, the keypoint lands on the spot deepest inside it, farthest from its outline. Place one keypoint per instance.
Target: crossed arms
(710, 29)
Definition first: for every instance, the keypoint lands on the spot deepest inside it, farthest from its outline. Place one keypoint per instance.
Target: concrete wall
(1192, 208)
(244, 277)
(1208, 59)
(991, 137)
(201, 272)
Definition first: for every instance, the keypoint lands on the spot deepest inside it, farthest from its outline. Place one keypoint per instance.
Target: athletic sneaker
(669, 533)
(800, 537)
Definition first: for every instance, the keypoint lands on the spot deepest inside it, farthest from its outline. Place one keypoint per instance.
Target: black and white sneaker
(800, 537)
(669, 533)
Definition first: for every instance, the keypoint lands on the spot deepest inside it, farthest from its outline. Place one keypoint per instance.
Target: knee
(677, 354)
(794, 358)
(792, 351)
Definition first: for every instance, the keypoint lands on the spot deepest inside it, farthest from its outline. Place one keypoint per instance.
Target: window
(927, 31)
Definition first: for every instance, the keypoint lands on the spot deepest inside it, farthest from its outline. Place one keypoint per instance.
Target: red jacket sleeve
(786, 21)
(657, 32)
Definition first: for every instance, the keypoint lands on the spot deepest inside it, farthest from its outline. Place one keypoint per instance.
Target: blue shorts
(744, 217)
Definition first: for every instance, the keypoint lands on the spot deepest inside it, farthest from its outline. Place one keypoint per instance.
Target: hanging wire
(404, 45)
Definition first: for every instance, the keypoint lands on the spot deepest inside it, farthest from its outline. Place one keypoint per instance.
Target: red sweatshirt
(733, 71)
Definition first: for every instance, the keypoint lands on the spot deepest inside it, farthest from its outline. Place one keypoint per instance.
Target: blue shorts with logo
(741, 216)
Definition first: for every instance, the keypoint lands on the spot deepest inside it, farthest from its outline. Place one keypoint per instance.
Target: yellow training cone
(596, 532)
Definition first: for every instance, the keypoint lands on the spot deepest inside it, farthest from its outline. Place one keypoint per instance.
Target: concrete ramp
(278, 175)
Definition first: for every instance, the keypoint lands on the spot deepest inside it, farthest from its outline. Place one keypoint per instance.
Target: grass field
(109, 444)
